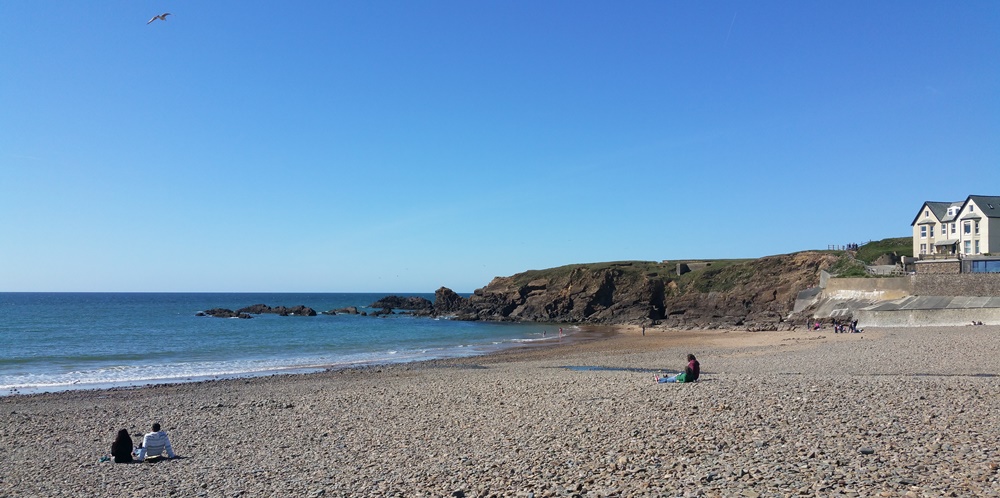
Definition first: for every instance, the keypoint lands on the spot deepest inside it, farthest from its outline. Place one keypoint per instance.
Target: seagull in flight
(162, 17)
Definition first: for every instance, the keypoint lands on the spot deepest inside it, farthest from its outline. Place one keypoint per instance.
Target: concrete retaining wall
(871, 289)
(927, 318)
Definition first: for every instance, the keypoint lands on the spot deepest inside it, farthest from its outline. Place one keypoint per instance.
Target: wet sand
(890, 412)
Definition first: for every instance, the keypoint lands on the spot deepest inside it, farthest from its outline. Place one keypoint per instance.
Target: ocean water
(60, 341)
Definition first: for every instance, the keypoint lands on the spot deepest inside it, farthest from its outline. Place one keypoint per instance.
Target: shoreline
(887, 412)
(581, 333)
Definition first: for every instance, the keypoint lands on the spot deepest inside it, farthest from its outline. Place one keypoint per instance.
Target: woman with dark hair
(121, 449)
(690, 373)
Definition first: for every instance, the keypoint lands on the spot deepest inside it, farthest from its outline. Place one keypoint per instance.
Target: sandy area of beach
(890, 412)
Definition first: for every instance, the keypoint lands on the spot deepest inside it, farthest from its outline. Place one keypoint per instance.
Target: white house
(964, 228)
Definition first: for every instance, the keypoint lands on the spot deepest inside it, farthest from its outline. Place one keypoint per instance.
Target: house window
(968, 247)
(967, 227)
(953, 229)
(926, 213)
(932, 231)
(977, 230)
(977, 247)
(985, 266)
(923, 231)
(923, 248)
(972, 207)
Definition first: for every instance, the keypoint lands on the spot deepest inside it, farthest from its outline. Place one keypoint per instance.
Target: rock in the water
(447, 301)
(350, 310)
(384, 311)
(258, 309)
(402, 303)
(223, 313)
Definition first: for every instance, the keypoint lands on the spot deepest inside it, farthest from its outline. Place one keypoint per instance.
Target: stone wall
(965, 284)
(920, 284)
(932, 267)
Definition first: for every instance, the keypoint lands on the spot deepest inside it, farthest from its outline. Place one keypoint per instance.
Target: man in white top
(153, 445)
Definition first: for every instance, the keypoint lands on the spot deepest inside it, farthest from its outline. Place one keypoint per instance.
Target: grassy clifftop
(853, 264)
(721, 275)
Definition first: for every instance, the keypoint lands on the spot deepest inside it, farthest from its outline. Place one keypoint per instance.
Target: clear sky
(401, 146)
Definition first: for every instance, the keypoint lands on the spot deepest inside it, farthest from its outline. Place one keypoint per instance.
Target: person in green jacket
(690, 373)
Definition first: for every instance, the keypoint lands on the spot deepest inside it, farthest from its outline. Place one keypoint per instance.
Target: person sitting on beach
(153, 445)
(690, 373)
(121, 449)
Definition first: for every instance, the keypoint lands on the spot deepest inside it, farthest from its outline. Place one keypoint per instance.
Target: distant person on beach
(690, 373)
(153, 445)
(121, 449)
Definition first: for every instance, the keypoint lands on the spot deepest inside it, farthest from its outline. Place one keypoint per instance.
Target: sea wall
(871, 289)
(928, 318)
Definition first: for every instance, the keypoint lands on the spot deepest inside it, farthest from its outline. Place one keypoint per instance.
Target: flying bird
(162, 17)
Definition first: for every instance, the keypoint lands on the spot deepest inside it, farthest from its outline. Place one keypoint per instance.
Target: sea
(67, 341)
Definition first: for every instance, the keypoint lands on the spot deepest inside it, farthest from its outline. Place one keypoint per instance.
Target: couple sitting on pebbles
(690, 373)
(152, 447)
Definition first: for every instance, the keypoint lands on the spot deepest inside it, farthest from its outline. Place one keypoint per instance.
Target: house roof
(938, 209)
(989, 205)
(957, 205)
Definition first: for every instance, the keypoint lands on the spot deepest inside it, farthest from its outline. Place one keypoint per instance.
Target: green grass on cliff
(638, 267)
(902, 246)
(854, 266)
(719, 275)
(848, 267)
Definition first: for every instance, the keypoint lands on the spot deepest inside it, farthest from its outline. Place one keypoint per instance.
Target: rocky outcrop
(403, 303)
(447, 301)
(350, 310)
(382, 312)
(223, 313)
(258, 309)
(754, 294)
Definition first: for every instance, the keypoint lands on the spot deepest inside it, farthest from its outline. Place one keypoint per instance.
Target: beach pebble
(794, 420)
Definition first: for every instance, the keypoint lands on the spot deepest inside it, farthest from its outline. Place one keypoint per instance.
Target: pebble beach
(889, 412)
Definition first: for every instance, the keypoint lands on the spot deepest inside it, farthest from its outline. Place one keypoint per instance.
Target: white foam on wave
(135, 375)
(128, 375)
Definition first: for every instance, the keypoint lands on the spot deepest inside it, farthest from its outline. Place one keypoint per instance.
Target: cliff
(753, 294)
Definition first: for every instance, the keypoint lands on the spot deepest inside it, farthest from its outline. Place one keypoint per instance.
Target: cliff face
(753, 294)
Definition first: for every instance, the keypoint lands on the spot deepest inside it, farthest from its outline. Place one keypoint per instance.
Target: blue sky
(401, 146)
